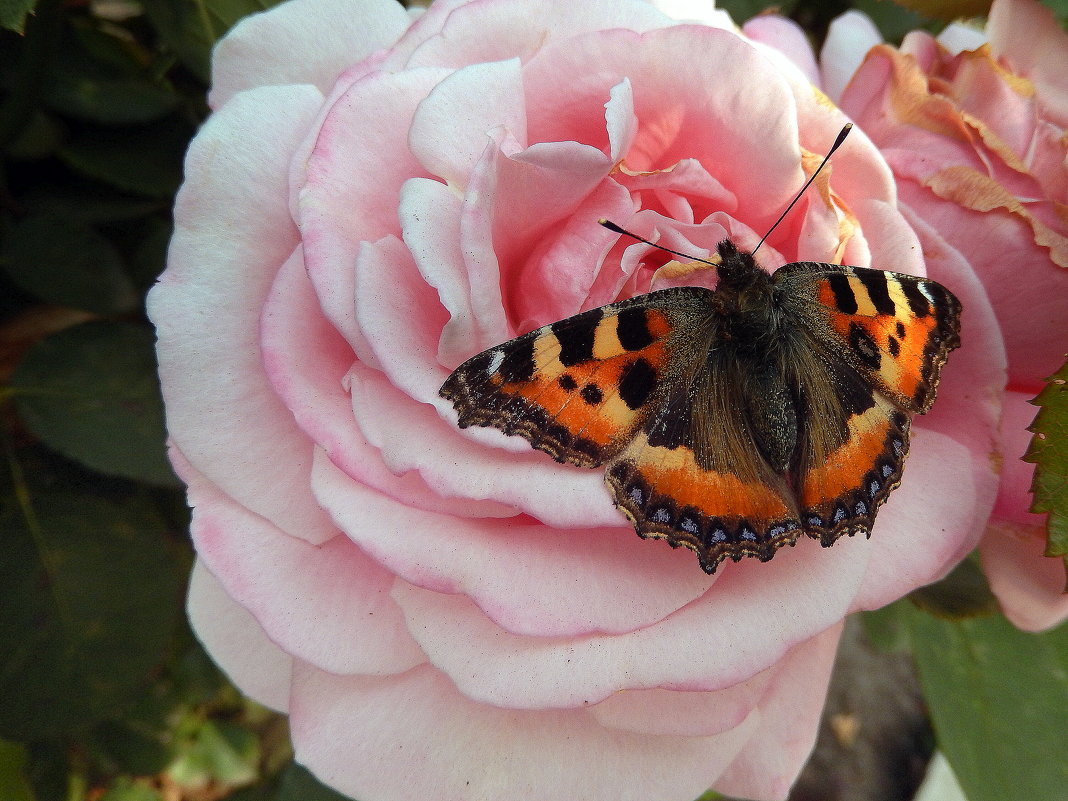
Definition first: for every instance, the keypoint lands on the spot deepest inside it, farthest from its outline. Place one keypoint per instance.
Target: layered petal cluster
(448, 614)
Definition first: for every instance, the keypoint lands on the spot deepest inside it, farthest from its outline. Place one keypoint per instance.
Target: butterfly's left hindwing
(576, 389)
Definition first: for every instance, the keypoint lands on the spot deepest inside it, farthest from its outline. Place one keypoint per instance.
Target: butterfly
(730, 421)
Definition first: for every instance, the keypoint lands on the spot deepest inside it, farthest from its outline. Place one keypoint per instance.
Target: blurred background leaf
(91, 393)
(13, 14)
(89, 598)
(991, 688)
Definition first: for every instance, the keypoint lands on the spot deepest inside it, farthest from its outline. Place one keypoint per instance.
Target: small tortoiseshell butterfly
(730, 421)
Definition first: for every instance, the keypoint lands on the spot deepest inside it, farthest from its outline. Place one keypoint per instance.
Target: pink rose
(973, 126)
(448, 614)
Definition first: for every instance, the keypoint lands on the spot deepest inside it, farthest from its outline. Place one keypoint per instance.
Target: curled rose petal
(370, 208)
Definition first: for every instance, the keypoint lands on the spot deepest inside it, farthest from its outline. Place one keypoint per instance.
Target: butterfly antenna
(611, 226)
(837, 144)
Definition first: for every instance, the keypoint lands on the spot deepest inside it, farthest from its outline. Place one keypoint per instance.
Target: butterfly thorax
(744, 304)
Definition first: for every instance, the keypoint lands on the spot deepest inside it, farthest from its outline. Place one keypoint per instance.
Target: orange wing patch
(667, 495)
(842, 494)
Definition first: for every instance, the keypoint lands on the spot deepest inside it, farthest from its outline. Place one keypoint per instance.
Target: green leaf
(1059, 9)
(744, 10)
(39, 137)
(997, 698)
(298, 784)
(90, 594)
(91, 393)
(191, 29)
(126, 747)
(948, 10)
(1049, 453)
(144, 160)
(13, 14)
(125, 789)
(888, 628)
(14, 783)
(963, 593)
(150, 256)
(217, 753)
(67, 263)
(96, 78)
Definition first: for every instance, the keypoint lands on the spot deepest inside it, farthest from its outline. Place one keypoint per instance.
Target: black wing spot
(632, 329)
(591, 393)
(637, 384)
(567, 382)
(864, 346)
(843, 293)
(576, 337)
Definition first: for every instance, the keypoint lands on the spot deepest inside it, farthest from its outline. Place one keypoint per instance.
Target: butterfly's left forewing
(578, 388)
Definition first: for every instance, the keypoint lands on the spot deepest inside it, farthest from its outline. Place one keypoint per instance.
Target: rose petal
(713, 57)
(451, 126)
(411, 436)
(469, 33)
(957, 37)
(938, 511)
(308, 362)
(849, 38)
(1028, 585)
(259, 50)
(531, 579)
(429, 214)
(696, 11)
(1029, 315)
(232, 233)
(768, 766)
(355, 151)
(1028, 36)
(348, 731)
(559, 276)
(708, 645)
(328, 604)
(620, 119)
(237, 642)
(786, 37)
(661, 711)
